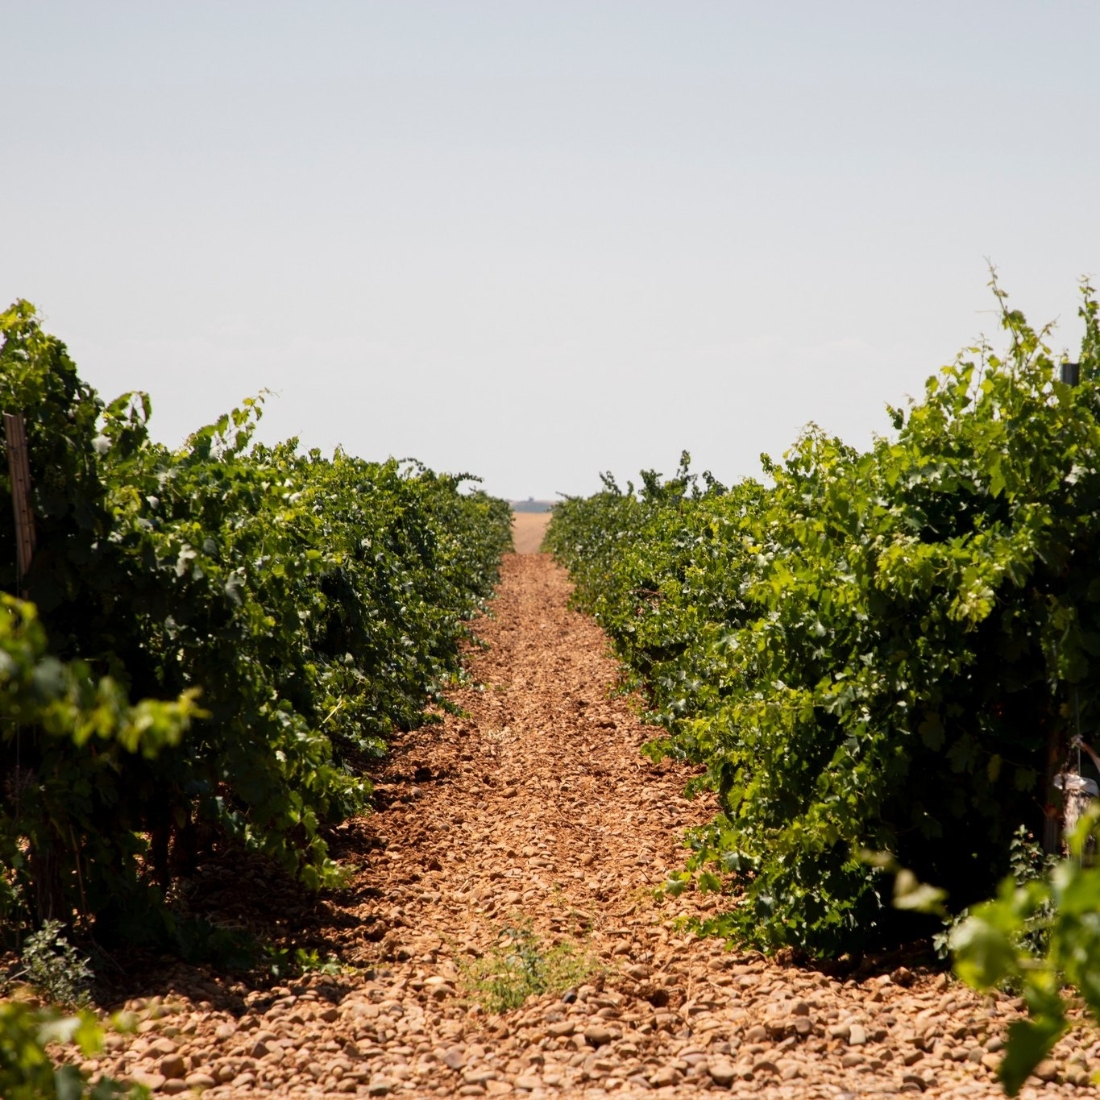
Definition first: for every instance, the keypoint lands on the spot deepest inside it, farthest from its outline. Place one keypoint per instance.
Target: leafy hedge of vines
(309, 607)
(878, 650)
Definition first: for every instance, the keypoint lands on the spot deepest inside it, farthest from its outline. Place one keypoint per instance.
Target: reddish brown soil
(536, 810)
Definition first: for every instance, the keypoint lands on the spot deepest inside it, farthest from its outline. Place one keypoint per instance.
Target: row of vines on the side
(65, 703)
(879, 651)
(298, 608)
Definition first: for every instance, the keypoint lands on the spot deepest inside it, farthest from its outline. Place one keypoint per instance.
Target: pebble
(722, 1071)
(1047, 1070)
(151, 1081)
(172, 1065)
(664, 1077)
(597, 1036)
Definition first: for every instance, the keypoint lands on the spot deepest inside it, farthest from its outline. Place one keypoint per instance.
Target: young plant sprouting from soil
(54, 968)
(519, 966)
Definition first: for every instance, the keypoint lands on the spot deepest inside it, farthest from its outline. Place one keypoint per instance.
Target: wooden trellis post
(43, 856)
(19, 469)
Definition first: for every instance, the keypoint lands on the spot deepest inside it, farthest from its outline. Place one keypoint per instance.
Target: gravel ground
(535, 811)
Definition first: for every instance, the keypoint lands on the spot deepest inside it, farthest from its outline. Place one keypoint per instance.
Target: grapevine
(879, 651)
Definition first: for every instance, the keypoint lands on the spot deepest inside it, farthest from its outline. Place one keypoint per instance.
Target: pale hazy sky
(536, 240)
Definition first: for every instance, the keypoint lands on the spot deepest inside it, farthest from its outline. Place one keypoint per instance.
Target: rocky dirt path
(535, 812)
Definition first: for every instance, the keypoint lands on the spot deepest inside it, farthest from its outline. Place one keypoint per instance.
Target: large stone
(454, 1058)
(152, 1081)
(665, 1076)
(172, 1066)
(478, 1076)
(596, 1035)
(722, 1071)
(1047, 1071)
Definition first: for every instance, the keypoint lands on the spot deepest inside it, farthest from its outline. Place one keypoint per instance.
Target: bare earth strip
(528, 529)
(536, 810)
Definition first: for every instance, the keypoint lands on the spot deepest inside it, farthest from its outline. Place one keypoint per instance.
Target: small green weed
(198, 941)
(54, 967)
(518, 966)
(282, 962)
(1028, 863)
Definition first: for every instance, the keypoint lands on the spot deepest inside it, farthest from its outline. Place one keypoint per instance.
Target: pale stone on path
(722, 1071)
(666, 1075)
(152, 1081)
(172, 1065)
